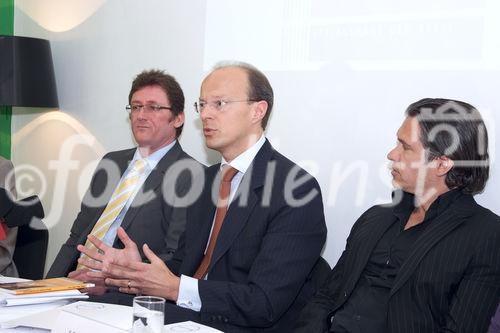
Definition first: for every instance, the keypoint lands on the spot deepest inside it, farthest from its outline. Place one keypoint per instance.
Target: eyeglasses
(218, 105)
(150, 108)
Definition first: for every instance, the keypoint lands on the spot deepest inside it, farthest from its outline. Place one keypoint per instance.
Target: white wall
(343, 73)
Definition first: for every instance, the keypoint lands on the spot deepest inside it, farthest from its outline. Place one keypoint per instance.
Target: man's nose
(392, 155)
(206, 112)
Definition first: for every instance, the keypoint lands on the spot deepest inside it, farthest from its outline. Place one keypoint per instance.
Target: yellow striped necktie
(118, 200)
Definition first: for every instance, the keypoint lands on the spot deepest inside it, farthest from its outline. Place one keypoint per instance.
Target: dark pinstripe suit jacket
(258, 277)
(451, 278)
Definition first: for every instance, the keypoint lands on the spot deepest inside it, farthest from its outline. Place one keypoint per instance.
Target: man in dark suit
(430, 262)
(249, 270)
(141, 207)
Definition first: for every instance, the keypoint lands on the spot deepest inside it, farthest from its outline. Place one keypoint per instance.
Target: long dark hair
(455, 129)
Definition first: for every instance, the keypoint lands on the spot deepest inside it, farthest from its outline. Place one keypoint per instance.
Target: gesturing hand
(82, 275)
(147, 279)
(106, 255)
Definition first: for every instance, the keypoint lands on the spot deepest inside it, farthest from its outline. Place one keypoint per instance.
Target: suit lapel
(122, 161)
(204, 214)
(451, 219)
(152, 185)
(238, 214)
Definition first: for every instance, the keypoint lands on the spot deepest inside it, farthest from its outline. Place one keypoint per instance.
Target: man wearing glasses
(255, 234)
(129, 187)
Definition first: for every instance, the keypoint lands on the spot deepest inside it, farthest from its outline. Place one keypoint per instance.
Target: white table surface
(13, 312)
(10, 313)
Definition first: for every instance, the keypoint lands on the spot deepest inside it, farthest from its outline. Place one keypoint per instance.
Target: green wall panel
(6, 28)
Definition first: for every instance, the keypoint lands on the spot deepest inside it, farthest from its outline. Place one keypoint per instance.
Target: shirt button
(357, 317)
(190, 303)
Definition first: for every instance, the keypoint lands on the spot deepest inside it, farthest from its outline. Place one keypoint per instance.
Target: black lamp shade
(27, 73)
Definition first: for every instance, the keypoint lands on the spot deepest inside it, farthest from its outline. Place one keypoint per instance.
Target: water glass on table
(148, 314)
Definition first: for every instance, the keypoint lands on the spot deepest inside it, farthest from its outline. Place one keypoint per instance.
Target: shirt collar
(153, 159)
(442, 203)
(407, 204)
(242, 161)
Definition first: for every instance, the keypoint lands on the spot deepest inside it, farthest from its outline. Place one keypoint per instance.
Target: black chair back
(31, 250)
(320, 273)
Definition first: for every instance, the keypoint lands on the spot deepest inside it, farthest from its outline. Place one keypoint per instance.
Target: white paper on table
(33, 301)
(116, 316)
(53, 296)
(57, 293)
(23, 330)
(189, 326)
(73, 323)
(40, 315)
(113, 317)
(8, 279)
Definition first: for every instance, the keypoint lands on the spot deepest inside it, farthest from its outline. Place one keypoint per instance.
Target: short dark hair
(259, 88)
(156, 77)
(442, 122)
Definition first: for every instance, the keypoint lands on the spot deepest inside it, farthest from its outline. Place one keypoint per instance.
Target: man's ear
(259, 111)
(179, 120)
(444, 165)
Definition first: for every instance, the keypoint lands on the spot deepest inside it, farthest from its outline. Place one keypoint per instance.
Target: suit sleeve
(174, 263)
(289, 248)
(314, 316)
(174, 260)
(174, 218)
(7, 245)
(478, 294)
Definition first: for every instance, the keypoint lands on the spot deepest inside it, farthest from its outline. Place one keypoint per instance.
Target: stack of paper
(53, 296)
(42, 286)
(13, 293)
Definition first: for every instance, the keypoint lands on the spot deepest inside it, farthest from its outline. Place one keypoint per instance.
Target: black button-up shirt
(366, 308)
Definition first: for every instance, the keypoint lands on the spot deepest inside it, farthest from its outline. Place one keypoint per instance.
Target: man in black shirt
(430, 261)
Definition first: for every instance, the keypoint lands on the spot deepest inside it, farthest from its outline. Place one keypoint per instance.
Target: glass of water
(148, 314)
